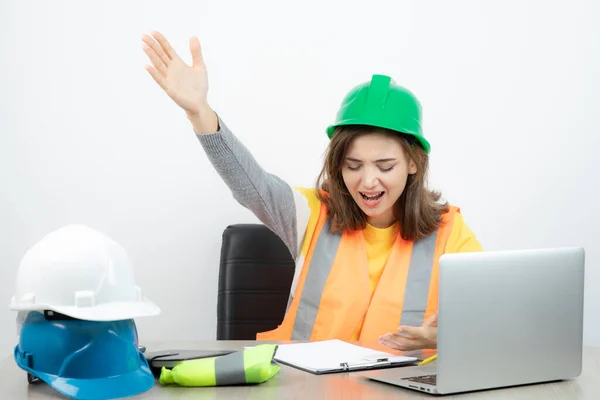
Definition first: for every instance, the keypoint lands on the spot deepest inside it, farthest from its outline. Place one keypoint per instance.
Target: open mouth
(372, 196)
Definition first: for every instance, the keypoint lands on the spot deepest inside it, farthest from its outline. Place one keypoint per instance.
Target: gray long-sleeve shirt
(271, 199)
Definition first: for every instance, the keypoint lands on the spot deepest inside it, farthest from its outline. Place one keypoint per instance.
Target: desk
(291, 383)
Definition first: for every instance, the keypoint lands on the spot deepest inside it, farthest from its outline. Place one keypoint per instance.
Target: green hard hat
(384, 104)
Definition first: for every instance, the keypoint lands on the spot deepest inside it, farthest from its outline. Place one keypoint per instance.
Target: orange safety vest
(332, 295)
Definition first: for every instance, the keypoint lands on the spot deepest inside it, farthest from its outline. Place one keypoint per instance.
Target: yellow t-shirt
(379, 243)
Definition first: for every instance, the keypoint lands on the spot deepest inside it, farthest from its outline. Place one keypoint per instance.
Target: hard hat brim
(331, 129)
(114, 311)
(126, 385)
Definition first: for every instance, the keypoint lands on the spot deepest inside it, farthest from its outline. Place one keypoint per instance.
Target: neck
(382, 221)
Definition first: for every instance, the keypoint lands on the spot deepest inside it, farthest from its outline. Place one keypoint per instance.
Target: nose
(370, 178)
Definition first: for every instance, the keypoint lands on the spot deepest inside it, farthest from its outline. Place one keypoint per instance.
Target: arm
(269, 197)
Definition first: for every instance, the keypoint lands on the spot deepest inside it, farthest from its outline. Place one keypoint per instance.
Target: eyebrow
(377, 161)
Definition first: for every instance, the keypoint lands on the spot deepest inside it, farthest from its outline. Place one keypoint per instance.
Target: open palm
(408, 338)
(186, 85)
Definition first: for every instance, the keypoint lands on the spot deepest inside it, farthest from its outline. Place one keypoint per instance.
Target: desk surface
(291, 383)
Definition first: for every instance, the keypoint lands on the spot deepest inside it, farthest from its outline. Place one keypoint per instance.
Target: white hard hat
(80, 272)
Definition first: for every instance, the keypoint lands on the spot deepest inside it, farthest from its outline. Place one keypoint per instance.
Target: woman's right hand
(186, 85)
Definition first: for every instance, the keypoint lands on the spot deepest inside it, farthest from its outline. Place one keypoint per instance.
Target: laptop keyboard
(427, 379)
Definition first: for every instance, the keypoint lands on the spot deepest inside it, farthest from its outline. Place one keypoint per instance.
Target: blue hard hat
(84, 359)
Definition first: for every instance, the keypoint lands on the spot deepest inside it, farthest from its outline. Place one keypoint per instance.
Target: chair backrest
(255, 276)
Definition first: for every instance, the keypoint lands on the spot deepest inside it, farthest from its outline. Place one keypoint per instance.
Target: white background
(510, 91)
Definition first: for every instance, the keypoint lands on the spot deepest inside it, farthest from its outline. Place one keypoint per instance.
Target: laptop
(505, 318)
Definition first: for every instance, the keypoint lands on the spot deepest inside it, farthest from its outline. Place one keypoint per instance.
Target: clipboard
(172, 358)
(332, 356)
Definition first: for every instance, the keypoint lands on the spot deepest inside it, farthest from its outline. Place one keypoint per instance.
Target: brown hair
(417, 208)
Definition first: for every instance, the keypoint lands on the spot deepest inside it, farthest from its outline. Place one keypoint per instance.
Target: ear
(412, 167)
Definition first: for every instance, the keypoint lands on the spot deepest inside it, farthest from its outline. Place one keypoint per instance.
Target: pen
(428, 360)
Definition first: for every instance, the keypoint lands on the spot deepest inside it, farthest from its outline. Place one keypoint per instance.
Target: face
(375, 172)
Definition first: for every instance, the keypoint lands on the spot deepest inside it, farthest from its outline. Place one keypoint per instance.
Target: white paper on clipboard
(336, 356)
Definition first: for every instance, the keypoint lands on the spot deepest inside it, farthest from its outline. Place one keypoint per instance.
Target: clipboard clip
(365, 363)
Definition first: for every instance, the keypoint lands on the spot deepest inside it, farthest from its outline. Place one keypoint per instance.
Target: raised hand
(186, 85)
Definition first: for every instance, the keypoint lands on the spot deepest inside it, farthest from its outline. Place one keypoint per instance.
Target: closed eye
(356, 168)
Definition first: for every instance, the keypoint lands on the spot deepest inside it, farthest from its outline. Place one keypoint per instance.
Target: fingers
(407, 338)
(401, 343)
(156, 60)
(431, 321)
(412, 331)
(196, 51)
(156, 47)
(158, 78)
(170, 53)
(412, 337)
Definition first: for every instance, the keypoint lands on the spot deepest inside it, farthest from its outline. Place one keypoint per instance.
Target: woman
(367, 242)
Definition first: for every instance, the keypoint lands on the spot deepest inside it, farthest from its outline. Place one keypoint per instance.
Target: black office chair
(255, 277)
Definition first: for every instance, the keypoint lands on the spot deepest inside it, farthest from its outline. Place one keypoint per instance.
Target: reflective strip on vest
(230, 370)
(314, 284)
(416, 290)
(418, 280)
